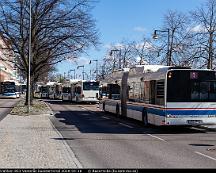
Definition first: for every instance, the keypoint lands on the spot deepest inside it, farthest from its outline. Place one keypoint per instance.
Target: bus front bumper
(191, 121)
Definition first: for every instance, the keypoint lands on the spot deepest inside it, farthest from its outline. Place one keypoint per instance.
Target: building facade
(7, 66)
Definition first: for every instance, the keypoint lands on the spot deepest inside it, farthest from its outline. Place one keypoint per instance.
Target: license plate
(193, 122)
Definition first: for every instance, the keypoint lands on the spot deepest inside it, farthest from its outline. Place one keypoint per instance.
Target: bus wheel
(145, 117)
(117, 110)
(103, 106)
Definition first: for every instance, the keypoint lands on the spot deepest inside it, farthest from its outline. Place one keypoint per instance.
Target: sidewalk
(30, 142)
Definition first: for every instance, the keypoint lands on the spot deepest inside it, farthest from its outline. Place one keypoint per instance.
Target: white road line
(106, 118)
(212, 158)
(126, 125)
(86, 109)
(156, 137)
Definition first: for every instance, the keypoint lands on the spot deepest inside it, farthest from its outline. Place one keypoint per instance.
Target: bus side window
(149, 91)
(212, 94)
(160, 92)
(152, 91)
(204, 88)
(146, 96)
(78, 90)
(195, 95)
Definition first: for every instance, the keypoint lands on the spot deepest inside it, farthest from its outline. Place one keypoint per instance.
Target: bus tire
(117, 110)
(104, 107)
(145, 117)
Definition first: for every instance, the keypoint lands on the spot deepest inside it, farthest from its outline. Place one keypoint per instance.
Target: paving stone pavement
(33, 142)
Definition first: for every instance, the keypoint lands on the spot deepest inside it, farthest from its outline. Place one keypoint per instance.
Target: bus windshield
(191, 86)
(90, 85)
(66, 90)
(44, 89)
(8, 87)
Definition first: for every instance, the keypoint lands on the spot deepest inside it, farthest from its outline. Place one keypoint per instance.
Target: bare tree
(61, 29)
(126, 54)
(205, 20)
(119, 56)
(174, 36)
(145, 51)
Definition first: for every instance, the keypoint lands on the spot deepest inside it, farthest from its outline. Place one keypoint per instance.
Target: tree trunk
(124, 94)
(210, 54)
(31, 91)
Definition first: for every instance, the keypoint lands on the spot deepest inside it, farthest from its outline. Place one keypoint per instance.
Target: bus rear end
(190, 97)
(90, 92)
(44, 92)
(66, 93)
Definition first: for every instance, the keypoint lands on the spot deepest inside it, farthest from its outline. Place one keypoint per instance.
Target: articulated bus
(8, 89)
(85, 91)
(164, 95)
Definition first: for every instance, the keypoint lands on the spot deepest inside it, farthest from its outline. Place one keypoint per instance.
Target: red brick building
(7, 71)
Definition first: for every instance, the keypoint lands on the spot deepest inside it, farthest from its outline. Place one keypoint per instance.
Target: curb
(50, 110)
(68, 148)
(208, 128)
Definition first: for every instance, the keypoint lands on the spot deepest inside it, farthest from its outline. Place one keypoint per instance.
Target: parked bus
(66, 91)
(58, 91)
(8, 90)
(51, 89)
(85, 91)
(44, 91)
(163, 95)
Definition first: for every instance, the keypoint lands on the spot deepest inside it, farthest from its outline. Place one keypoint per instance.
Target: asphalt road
(6, 106)
(103, 141)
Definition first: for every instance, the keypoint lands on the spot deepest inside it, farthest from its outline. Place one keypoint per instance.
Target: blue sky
(126, 19)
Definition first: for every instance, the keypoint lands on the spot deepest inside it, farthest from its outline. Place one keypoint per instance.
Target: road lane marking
(106, 118)
(212, 158)
(156, 137)
(126, 125)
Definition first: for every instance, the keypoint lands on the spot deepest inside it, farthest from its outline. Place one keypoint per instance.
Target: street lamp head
(114, 50)
(155, 36)
(80, 66)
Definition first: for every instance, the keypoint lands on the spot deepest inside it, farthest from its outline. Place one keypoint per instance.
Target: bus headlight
(171, 116)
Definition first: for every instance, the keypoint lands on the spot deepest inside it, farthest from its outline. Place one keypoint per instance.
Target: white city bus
(8, 89)
(162, 95)
(51, 89)
(85, 91)
(66, 91)
(44, 91)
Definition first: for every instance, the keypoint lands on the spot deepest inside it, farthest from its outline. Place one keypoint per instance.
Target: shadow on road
(92, 122)
(95, 122)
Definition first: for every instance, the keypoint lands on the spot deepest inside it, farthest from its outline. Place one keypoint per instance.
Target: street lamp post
(111, 53)
(96, 67)
(82, 71)
(86, 75)
(74, 73)
(168, 55)
(69, 74)
(64, 75)
(29, 59)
